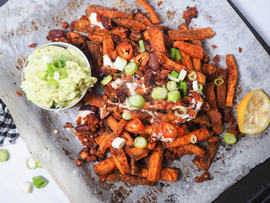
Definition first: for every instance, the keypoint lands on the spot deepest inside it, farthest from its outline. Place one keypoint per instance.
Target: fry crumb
(240, 49)
(19, 93)
(159, 3)
(33, 45)
(214, 46)
(216, 59)
(68, 125)
(65, 25)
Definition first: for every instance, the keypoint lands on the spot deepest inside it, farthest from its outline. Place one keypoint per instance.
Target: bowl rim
(64, 45)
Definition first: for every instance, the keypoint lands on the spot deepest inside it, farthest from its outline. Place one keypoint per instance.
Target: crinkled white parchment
(25, 22)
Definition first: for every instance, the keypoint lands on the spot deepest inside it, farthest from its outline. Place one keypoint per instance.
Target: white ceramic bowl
(65, 45)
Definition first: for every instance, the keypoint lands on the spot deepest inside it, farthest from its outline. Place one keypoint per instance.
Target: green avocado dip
(56, 77)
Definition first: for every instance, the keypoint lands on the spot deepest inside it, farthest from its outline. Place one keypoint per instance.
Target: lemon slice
(253, 112)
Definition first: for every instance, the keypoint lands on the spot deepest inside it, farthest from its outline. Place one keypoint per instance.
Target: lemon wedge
(253, 112)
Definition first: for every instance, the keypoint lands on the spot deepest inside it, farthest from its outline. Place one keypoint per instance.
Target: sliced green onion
(38, 164)
(27, 187)
(137, 101)
(171, 86)
(120, 63)
(39, 182)
(192, 76)
(173, 95)
(131, 68)
(183, 86)
(126, 115)
(173, 50)
(50, 69)
(174, 74)
(140, 142)
(106, 80)
(159, 93)
(182, 74)
(182, 109)
(31, 163)
(229, 138)
(118, 74)
(63, 59)
(63, 73)
(52, 84)
(193, 139)
(43, 75)
(142, 45)
(200, 88)
(218, 81)
(178, 55)
(3, 155)
(56, 64)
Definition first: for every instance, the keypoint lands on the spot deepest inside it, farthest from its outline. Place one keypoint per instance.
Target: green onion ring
(218, 81)
(106, 80)
(192, 76)
(28, 165)
(229, 138)
(137, 101)
(174, 95)
(171, 86)
(131, 68)
(159, 93)
(3, 155)
(142, 46)
(140, 142)
(39, 182)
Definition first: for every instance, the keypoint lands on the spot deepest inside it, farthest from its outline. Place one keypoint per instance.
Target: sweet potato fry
(195, 149)
(169, 174)
(156, 39)
(202, 134)
(129, 23)
(143, 19)
(190, 49)
(210, 151)
(96, 59)
(227, 115)
(153, 16)
(83, 25)
(106, 142)
(210, 95)
(203, 33)
(94, 99)
(120, 160)
(128, 138)
(186, 60)
(155, 163)
(136, 153)
(175, 153)
(171, 65)
(222, 89)
(214, 116)
(232, 79)
(105, 167)
(135, 180)
(217, 128)
(106, 12)
(213, 139)
(202, 119)
(95, 37)
(148, 129)
(151, 145)
(108, 45)
(100, 138)
(182, 26)
(140, 115)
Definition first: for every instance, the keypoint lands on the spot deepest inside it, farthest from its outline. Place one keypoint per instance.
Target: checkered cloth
(8, 129)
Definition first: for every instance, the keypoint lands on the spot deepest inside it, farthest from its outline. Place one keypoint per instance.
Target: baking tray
(255, 187)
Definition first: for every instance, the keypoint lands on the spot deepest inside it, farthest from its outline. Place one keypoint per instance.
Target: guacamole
(56, 77)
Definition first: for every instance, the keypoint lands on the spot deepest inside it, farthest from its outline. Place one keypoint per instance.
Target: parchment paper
(25, 22)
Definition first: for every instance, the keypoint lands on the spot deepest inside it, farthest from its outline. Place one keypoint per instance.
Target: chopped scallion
(192, 76)
(131, 68)
(159, 93)
(182, 74)
(173, 50)
(3, 155)
(183, 86)
(142, 46)
(137, 101)
(39, 182)
(178, 55)
(63, 59)
(218, 81)
(200, 88)
(140, 142)
(106, 80)
(171, 86)
(174, 95)
(229, 138)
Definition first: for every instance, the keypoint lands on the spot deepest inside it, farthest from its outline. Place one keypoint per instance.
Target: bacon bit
(240, 49)
(68, 125)
(79, 162)
(159, 3)
(203, 177)
(214, 46)
(189, 14)
(65, 25)
(19, 93)
(33, 45)
(216, 59)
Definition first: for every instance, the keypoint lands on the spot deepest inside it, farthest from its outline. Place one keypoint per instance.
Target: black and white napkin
(8, 131)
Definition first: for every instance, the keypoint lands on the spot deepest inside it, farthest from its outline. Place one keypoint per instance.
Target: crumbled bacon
(190, 13)
(65, 25)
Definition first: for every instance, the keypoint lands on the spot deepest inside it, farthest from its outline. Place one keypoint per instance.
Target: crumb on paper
(19, 93)
(190, 13)
(159, 3)
(65, 25)
(214, 46)
(33, 45)
(216, 59)
(68, 125)
(55, 131)
(240, 49)
(204, 177)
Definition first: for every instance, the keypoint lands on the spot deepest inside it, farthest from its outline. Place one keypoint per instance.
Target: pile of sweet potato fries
(168, 133)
